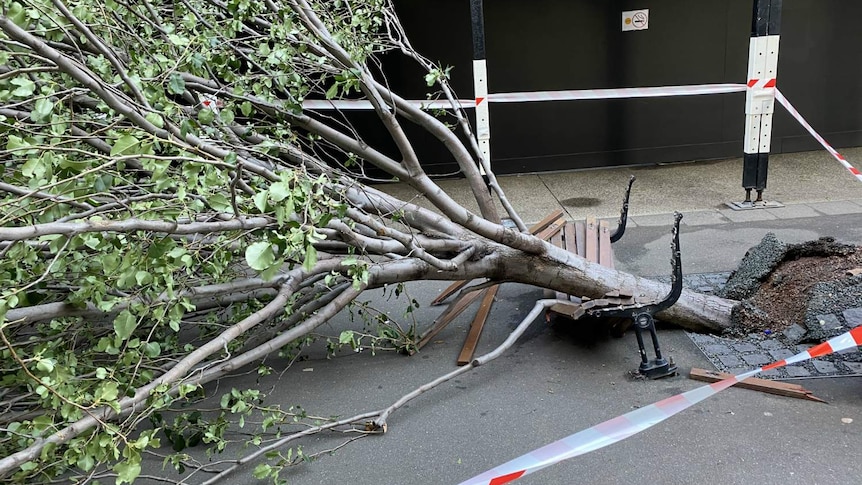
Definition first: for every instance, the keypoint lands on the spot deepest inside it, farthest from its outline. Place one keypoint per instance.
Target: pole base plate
(749, 205)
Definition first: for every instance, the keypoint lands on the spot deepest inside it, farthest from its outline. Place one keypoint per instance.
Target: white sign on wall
(636, 20)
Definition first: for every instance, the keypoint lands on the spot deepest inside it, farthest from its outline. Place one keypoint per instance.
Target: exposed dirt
(781, 299)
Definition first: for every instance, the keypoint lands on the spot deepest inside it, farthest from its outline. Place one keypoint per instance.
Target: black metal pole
(763, 58)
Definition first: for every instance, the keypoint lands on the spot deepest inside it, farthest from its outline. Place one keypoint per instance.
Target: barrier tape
(586, 94)
(790, 109)
(621, 427)
(533, 96)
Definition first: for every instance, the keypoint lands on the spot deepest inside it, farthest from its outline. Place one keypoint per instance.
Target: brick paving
(739, 354)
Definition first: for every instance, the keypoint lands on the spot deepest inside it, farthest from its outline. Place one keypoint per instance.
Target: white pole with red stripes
(480, 82)
(760, 98)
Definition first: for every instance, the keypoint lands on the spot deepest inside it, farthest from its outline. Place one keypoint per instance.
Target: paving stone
(802, 348)
(797, 371)
(745, 347)
(737, 370)
(835, 207)
(855, 367)
(705, 289)
(779, 354)
(853, 316)
(729, 360)
(771, 373)
(756, 359)
(717, 349)
(794, 333)
(825, 367)
(771, 344)
(829, 322)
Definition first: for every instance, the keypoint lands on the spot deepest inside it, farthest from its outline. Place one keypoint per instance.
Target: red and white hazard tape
(790, 109)
(650, 92)
(533, 96)
(634, 422)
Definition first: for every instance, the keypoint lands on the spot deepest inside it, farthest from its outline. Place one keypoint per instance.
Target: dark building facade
(542, 45)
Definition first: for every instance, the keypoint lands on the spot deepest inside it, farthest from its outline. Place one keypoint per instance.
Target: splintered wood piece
(592, 240)
(472, 339)
(546, 233)
(569, 310)
(547, 221)
(452, 311)
(762, 385)
(606, 257)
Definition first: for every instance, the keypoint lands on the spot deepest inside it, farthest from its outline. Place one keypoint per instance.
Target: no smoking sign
(636, 20)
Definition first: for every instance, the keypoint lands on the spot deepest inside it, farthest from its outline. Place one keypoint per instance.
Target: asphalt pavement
(555, 381)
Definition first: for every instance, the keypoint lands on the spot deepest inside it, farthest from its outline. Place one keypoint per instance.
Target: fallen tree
(171, 213)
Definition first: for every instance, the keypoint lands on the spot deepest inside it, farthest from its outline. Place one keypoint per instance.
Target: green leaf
(108, 391)
(332, 91)
(101, 373)
(279, 191)
(152, 349)
(259, 255)
(128, 470)
(25, 89)
(125, 324)
(155, 119)
(245, 108)
(226, 116)
(45, 365)
(18, 15)
(310, 258)
(125, 145)
(262, 471)
(260, 200)
(176, 84)
(346, 337)
(35, 168)
(206, 116)
(42, 109)
(178, 40)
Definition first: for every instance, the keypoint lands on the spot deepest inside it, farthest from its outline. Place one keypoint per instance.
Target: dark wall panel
(578, 44)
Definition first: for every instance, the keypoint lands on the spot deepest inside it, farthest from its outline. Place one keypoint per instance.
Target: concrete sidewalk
(808, 183)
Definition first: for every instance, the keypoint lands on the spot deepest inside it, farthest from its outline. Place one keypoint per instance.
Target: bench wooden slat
(570, 239)
(592, 240)
(452, 311)
(606, 257)
(547, 221)
(548, 232)
(581, 239)
(472, 339)
(557, 240)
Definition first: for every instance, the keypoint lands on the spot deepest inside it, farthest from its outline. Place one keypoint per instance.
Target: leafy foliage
(160, 117)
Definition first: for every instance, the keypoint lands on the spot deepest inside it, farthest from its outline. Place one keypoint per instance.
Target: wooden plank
(571, 241)
(547, 221)
(762, 385)
(592, 240)
(546, 233)
(557, 240)
(606, 255)
(449, 291)
(581, 239)
(472, 339)
(452, 311)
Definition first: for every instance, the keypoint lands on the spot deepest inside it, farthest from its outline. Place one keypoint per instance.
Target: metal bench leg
(624, 213)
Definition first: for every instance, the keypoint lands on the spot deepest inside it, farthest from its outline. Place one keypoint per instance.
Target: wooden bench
(590, 239)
